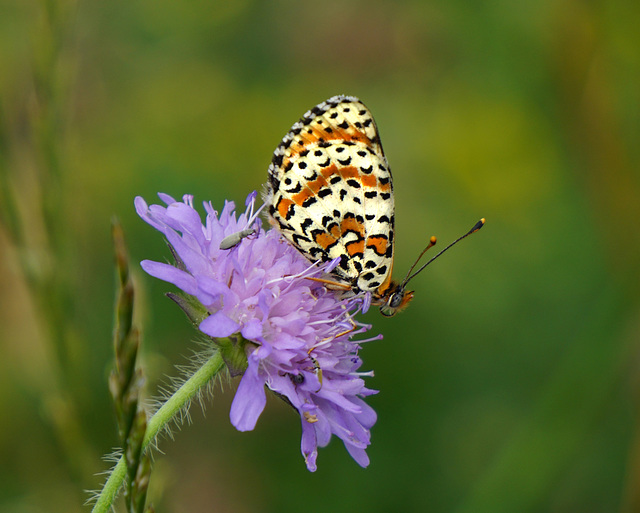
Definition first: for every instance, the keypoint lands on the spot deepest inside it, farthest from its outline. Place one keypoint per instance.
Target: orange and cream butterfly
(330, 193)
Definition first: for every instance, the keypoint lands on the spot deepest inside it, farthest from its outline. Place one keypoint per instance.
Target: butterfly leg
(331, 284)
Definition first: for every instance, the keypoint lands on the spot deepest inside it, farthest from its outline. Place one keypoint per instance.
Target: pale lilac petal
(251, 198)
(210, 289)
(142, 209)
(194, 260)
(218, 325)
(165, 198)
(184, 281)
(252, 330)
(367, 302)
(367, 416)
(323, 429)
(185, 217)
(309, 445)
(249, 401)
(359, 455)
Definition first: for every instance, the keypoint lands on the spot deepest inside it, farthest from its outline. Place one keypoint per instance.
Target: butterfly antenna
(476, 227)
(432, 242)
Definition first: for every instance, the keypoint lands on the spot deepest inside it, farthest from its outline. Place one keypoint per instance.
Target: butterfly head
(396, 298)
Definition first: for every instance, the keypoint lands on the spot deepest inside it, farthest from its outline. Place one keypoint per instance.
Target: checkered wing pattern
(330, 193)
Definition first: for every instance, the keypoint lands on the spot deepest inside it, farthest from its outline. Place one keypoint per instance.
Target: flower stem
(160, 419)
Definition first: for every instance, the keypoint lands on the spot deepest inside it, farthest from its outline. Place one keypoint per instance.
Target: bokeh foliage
(510, 384)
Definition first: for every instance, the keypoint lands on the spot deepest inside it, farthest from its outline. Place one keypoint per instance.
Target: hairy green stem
(162, 417)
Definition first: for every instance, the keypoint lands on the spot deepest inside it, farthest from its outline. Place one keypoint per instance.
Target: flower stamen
(310, 417)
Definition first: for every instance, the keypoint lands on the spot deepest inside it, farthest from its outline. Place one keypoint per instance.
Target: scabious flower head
(296, 334)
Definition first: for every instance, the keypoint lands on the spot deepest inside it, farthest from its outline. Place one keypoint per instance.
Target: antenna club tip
(477, 226)
(433, 240)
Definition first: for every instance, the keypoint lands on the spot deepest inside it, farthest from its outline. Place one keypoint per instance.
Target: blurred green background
(509, 385)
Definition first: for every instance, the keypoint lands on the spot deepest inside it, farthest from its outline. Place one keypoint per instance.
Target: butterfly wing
(330, 192)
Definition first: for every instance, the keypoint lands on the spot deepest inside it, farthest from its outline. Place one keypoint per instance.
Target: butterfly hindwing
(330, 192)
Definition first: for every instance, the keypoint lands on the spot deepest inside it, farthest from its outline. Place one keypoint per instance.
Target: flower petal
(218, 325)
(359, 455)
(249, 401)
(252, 330)
(169, 273)
(309, 446)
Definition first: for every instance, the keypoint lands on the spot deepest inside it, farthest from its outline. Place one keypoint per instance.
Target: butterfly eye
(396, 298)
(390, 308)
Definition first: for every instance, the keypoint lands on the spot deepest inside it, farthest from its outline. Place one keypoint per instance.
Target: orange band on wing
(318, 184)
(355, 247)
(351, 224)
(378, 243)
(283, 207)
(324, 240)
(369, 180)
(303, 195)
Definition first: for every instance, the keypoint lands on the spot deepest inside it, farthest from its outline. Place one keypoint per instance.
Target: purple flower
(296, 336)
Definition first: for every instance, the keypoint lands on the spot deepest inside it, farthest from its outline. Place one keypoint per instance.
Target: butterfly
(330, 193)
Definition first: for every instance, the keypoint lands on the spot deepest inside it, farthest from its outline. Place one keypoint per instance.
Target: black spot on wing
(306, 224)
(297, 238)
(309, 201)
(316, 253)
(295, 189)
